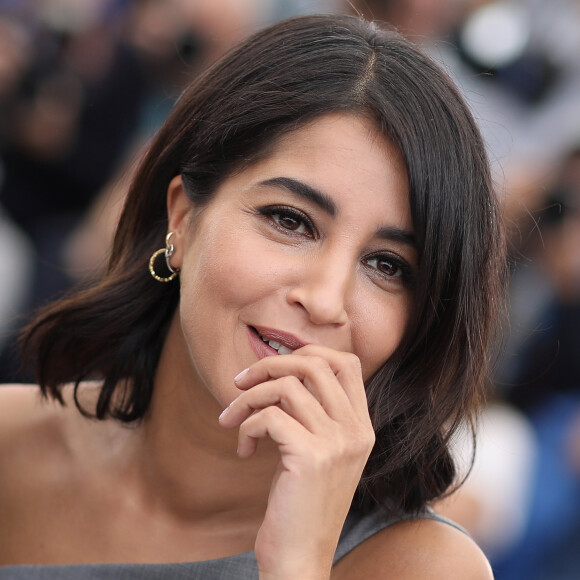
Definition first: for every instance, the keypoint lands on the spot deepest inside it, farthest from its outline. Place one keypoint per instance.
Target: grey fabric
(356, 530)
(238, 567)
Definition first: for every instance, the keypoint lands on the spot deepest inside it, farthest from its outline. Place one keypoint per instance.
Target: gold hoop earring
(168, 251)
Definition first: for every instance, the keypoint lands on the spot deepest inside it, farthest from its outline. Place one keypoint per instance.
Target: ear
(179, 209)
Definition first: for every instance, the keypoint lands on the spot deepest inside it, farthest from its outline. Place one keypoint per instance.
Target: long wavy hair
(280, 79)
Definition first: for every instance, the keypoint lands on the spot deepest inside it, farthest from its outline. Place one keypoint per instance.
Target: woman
(323, 195)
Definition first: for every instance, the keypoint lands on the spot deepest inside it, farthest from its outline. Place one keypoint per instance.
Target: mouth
(276, 341)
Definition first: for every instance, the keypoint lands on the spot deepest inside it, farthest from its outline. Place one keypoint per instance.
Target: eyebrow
(304, 191)
(399, 235)
(323, 201)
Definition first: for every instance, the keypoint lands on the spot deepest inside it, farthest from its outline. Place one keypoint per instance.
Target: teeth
(276, 346)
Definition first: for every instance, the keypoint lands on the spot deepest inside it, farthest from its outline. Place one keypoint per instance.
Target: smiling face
(313, 244)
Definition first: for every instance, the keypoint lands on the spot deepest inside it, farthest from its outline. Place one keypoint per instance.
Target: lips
(270, 342)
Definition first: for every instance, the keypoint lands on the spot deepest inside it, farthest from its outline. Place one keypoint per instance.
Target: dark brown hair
(277, 81)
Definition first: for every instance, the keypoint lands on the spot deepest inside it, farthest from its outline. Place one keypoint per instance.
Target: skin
(276, 472)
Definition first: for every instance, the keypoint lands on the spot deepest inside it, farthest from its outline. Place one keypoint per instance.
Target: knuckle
(362, 441)
(318, 363)
(258, 420)
(353, 361)
(289, 386)
(271, 413)
(305, 350)
(369, 440)
(324, 459)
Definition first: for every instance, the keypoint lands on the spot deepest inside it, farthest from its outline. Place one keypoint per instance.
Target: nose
(321, 289)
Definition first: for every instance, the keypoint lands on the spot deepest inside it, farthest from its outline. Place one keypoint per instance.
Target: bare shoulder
(40, 443)
(38, 439)
(21, 408)
(29, 426)
(420, 548)
(36, 429)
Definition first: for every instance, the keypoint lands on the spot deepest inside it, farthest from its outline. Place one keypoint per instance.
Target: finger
(318, 368)
(313, 372)
(348, 371)
(288, 393)
(272, 422)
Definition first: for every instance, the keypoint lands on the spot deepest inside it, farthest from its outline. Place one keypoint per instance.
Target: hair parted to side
(277, 81)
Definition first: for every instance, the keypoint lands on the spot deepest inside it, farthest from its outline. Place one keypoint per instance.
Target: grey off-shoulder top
(356, 530)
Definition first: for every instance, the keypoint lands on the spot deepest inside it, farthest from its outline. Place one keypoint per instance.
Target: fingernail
(224, 413)
(239, 377)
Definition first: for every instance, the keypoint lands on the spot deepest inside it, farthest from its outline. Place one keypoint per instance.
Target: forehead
(348, 133)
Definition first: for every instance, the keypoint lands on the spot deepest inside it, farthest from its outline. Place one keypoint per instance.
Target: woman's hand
(312, 404)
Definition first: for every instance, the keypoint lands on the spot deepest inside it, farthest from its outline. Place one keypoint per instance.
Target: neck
(187, 461)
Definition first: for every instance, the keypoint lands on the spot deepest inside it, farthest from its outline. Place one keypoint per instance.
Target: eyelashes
(290, 220)
(391, 268)
(295, 223)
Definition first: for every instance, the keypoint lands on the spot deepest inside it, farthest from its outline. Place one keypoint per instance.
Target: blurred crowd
(84, 84)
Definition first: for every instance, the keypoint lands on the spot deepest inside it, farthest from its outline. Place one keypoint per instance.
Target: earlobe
(178, 211)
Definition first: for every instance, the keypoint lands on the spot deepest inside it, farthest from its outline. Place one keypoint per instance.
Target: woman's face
(313, 244)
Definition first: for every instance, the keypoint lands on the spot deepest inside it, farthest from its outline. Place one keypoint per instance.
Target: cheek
(223, 272)
(381, 330)
(210, 276)
(216, 283)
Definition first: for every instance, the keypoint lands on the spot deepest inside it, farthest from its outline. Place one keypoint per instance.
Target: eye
(289, 220)
(390, 268)
(385, 266)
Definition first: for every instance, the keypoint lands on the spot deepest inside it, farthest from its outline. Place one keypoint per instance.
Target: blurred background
(84, 84)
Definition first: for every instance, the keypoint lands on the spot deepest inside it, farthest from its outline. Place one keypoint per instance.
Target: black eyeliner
(408, 273)
(272, 210)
